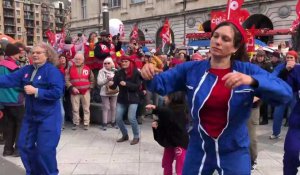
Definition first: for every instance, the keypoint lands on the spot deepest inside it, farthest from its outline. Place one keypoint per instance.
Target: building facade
(184, 16)
(27, 20)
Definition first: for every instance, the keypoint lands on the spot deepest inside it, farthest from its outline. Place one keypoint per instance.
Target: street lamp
(105, 15)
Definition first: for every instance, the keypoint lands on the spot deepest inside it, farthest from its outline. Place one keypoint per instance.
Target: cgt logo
(234, 5)
(218, 20)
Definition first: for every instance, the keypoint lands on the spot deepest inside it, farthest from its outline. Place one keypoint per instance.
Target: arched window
(261, 22)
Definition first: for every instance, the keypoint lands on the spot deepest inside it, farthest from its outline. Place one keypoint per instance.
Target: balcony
(9, 15)
(29, 26)
(46, 19)
(45, 11)
(9, 24)
(30, 34)
(7, 5)
(9, 32)
(29, 17)
(28, 9)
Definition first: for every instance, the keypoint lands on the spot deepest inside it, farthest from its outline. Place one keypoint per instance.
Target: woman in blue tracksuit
(220, 92)
(291, 156)
(41, 127)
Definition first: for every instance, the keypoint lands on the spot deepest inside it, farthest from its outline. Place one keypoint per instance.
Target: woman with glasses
(109, 99)
(40, 132)
(128, 80)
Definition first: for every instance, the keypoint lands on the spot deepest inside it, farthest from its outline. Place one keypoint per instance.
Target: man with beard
(104, 48)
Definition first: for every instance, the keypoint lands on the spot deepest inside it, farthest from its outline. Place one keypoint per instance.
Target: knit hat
(293, 53)
(11, 50)
(109, 59)
(260, 53)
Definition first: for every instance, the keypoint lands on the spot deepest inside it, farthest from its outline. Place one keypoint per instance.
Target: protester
(282, 71)
(12, 100)
(170, 131)
(41, 126)
(197, 57)
(103, 48)
(79, 80)
(23, 60)
(220, 93)
(89, 54)
(108, 98)
(128, 80)
(292, 141)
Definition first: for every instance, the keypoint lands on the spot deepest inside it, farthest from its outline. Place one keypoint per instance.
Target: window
(38, 38)
(37, 7)
(37, 30)
(83, 9)
(37, 15)
(137, 1)
(19, 37)
(18, 20)
(18, 4)
(19, 29)
(18, 12)
(114, 3)
(37, 23)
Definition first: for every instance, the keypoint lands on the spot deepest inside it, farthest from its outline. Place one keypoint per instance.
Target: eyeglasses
(38, 52)
(106, 63)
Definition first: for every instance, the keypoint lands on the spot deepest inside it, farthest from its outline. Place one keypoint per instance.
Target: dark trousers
(14, 116)
(264, 112)
(291, 152)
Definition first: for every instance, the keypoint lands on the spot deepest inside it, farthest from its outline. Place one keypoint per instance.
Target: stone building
(184, 16)
(27, 20)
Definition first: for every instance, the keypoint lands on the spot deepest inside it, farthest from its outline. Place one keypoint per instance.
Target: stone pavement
(96, 152)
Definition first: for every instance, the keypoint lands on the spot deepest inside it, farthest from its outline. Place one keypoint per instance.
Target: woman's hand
(123, 83)
(154, 124)
(110, 83)
(235, 79)
(150, 107)
(290, 65)
(29, 90)
(148, 71)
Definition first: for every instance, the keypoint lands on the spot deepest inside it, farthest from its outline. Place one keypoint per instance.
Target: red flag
(216, 18)
(297, 20)
(51, 37)
(232, 7)
(165, 33)
(298, 8)
(250, 39)
(135, 32)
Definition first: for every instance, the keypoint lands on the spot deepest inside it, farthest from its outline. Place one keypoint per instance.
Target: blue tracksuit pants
(291, 152)
(37, 144)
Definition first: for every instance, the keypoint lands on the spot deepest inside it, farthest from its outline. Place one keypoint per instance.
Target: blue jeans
(121, 108)
(279, 113)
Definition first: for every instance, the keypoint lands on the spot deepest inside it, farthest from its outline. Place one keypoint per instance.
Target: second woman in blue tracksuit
(219, 137)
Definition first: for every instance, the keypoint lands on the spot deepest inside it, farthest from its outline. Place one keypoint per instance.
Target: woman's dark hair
(238, 43)
(177, 98)
(90, 36)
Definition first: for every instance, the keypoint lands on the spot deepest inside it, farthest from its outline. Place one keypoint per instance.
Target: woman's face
(290, 58)
(221, 45)
(108, 65)
(260, 58)
(39, 55)
(62, 60)
(125, 64)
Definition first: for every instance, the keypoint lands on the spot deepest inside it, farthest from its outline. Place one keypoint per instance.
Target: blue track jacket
(228, 154)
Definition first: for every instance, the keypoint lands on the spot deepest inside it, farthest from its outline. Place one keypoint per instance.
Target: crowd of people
(205, 107)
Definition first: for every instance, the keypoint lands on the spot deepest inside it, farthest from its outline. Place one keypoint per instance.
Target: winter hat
(276, 54)
(293, 53)
(197, 56)
(260, 53)
(175, 62)
(11, 50)
(109, 59)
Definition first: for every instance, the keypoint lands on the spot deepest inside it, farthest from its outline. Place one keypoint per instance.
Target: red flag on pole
(216, 18)
(297, 20)
(165, 33)
(51, 37)
(233, 6)
(135, 32)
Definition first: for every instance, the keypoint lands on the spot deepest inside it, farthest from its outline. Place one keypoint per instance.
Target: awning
(206, 43)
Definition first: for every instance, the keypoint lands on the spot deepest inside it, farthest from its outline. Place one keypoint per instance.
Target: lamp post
(105, 15)
(184, 21)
